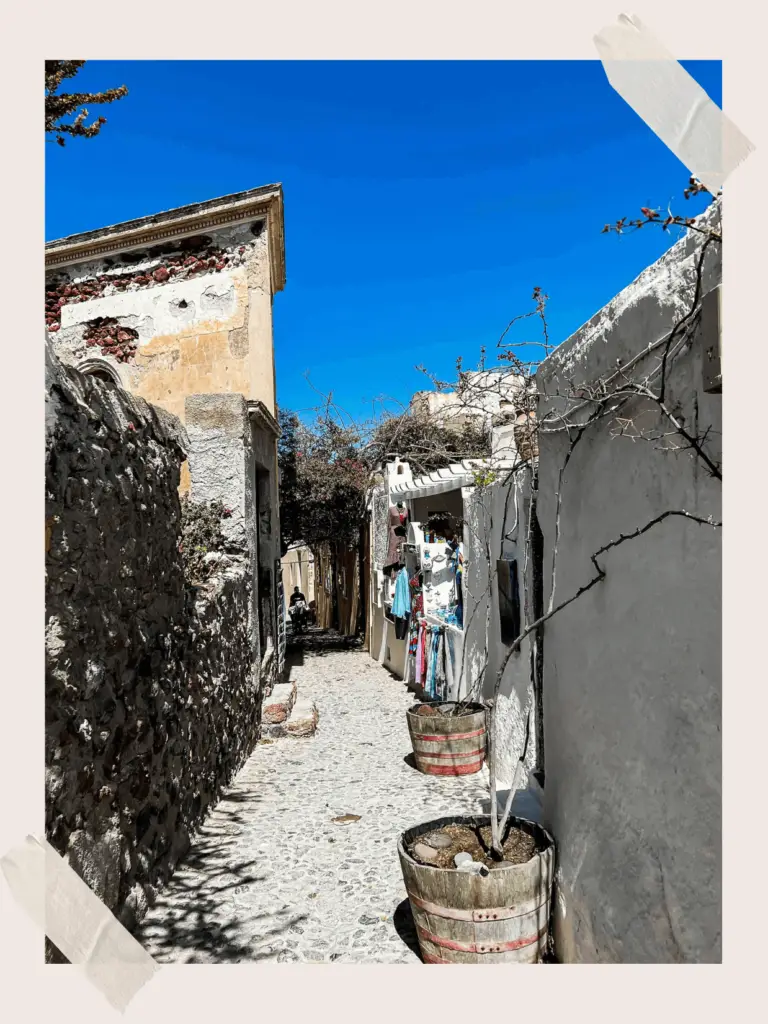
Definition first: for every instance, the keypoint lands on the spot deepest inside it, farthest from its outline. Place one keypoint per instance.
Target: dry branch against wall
(624, 398)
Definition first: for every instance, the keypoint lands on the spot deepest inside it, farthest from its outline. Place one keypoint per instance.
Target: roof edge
(266, 200)
(260, 414)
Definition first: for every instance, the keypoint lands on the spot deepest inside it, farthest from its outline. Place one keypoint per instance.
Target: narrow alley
(383, 590)
(270, 875)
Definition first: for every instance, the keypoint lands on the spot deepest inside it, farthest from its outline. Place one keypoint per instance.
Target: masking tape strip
(76, 921)
(671, 102)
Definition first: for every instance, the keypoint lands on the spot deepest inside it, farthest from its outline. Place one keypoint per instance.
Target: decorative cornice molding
(258, 411)
(81, 249)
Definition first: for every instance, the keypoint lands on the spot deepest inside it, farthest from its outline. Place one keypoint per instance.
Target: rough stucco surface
(151, 702)
(384, 645)
(495, 511)
(233, 461)
(632, 677)
(221, 459)
(198, 312)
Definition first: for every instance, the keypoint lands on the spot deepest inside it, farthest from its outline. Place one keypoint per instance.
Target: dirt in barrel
(439, 847)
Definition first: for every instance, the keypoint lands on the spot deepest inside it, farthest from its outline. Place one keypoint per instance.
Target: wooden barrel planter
(502, 918)
(447, 745)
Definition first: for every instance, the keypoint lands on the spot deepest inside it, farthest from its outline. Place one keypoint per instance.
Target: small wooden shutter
(509, 599)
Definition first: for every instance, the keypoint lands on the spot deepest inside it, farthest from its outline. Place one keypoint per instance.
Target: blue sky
(423, 200)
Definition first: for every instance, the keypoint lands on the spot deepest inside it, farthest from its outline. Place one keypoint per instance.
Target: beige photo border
(413, 30)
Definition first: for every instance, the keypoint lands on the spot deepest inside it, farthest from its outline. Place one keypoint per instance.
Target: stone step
(277, 708)
(303, 719)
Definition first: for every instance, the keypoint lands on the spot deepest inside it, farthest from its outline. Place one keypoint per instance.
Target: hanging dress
(401, 606)
(420, 654)
(398, 518)
(440, 688)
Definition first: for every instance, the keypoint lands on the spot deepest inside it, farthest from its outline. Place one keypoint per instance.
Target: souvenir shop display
(427, 608)
(398, 531)
(425, 598)
(434, 658)
(442, 565)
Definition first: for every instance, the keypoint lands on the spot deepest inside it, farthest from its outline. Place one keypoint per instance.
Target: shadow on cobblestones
(210, 878)
(280, 872)
(405, 927)
(320, 641)
(241, 939)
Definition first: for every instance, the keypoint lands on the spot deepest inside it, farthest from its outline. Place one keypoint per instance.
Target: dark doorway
(263, 561)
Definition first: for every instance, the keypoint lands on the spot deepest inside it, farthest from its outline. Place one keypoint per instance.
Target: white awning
(449, 478)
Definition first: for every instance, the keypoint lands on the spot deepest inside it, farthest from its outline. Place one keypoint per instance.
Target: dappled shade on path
(298, 862)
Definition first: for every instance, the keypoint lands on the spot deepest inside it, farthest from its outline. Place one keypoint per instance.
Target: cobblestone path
(270, 876)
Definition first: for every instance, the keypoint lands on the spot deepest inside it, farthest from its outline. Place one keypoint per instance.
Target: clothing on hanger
(456, 561)
(419, 658)
(413, 639)
(440, 664)
(434, 642)
(397, 521)
(450, 665)
(401, 605)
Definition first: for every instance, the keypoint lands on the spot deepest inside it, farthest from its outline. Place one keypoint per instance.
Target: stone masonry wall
(151, 700)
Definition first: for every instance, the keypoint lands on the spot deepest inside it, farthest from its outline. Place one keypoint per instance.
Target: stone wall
(234, 460)
(632, 668)
(152, 703)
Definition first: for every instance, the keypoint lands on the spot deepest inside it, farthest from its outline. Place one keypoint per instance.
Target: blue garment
(401, 606)
(434, 642)
(451, 663)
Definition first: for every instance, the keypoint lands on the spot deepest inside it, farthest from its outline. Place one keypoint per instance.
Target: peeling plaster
(157, 311)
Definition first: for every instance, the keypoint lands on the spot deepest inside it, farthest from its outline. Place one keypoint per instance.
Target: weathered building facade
(632, 674)
(480, 395)
(176, 305)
